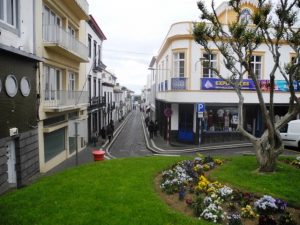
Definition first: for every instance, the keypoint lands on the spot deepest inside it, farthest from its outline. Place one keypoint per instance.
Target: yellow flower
(218, 161)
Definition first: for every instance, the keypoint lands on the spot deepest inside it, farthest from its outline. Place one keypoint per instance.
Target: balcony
(96, 102)
(179, 83)
(58, 101)
(98, 66)
(79, 7)
(63, 43)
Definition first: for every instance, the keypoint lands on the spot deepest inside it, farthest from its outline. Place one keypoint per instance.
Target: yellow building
(60, 27)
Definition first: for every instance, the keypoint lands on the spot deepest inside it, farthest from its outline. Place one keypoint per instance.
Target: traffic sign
(200, 107)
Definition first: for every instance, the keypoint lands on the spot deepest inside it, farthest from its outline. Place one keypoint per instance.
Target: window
(99, 87)
(71, 81)
(99, 54)
(90, 86)
(51, 23)
(8, 12)
(246, 16)
(94, 86)
(90, 45)
(178, 59)
(256, 63)
(52, 81)
(95, 51)
(209, 62)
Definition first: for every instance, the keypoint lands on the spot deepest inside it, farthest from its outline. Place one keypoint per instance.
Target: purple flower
(281, 205)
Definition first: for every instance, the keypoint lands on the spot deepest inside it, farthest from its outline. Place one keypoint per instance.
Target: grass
(121, 192)
(241, 172)
(117, 192)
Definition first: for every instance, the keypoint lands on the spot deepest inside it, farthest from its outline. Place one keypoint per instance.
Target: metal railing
(56, 35)
(179, 83)
(54, 99)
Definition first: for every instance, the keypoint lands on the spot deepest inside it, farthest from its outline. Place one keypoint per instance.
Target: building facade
(61, 35)
(94, 69)
(185, 87)
(19, 159)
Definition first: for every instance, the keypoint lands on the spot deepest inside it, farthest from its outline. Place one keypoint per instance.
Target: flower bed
(219, 203)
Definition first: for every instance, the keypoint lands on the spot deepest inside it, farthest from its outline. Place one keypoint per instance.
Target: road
(131, 142)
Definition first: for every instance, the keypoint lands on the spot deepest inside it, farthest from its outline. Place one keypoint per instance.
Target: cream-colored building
(61, 34)
(185, 86)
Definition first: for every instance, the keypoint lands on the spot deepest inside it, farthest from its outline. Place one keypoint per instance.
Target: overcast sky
(135, 30)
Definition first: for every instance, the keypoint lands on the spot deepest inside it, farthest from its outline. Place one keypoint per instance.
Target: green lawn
(117, 192)
(241, 172)
(121, 192)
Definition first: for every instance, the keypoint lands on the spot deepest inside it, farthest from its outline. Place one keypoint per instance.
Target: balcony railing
(56, 99)
(54, 34)
(97, 102)
(179, 83)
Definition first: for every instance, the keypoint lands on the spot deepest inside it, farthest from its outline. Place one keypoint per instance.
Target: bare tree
(271, 25)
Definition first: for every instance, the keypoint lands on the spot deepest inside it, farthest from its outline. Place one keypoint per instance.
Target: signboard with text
(246, 84)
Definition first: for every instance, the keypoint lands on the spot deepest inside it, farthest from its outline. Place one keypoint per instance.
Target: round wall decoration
(11, 85)
(25, 86)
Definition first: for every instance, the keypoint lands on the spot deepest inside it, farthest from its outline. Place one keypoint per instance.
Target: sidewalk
(84, 156)
(161, 146)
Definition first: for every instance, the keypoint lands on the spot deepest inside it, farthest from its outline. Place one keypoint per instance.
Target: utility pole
(76, 141)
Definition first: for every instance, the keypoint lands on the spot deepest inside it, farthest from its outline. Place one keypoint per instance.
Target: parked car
(291, 134)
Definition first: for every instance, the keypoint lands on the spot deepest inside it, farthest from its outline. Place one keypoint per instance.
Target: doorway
(11, 162)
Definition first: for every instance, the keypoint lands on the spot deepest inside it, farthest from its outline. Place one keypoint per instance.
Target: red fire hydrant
(98, 155)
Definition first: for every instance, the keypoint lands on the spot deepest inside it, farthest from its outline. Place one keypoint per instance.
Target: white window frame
(52, 82)
(213, 61)
(178, 64)
(4, 23)
(72, 81)
(254, 64)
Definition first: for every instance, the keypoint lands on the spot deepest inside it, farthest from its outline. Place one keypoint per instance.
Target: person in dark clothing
(103, 133)
(94, 138)
(110, 130)
(147, 121)
(151, 128)
(155, 128)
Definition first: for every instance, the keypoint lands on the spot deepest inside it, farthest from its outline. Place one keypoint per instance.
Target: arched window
(246, 16)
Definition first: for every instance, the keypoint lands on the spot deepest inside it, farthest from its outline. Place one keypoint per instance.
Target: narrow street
(131, 141)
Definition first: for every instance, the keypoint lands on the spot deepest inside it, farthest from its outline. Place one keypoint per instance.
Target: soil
(181, 206)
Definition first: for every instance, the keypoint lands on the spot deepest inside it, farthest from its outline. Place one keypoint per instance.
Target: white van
(292, 135)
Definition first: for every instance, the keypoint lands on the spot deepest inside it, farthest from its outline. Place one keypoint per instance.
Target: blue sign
(216, 83)
(200, 107)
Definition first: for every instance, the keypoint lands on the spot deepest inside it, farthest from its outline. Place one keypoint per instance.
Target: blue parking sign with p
(200, 107)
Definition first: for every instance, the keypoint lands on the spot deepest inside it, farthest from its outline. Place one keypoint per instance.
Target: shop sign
(246, 84)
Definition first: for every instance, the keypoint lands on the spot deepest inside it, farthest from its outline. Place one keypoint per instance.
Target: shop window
(220, 119)
(54, 143)
(209, 62)
(256, 64)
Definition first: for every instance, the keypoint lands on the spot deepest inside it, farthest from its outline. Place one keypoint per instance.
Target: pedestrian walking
(95, 138)
(110, 130)
(151, 128)
(103, 133)
(147, 121)
(155, 128)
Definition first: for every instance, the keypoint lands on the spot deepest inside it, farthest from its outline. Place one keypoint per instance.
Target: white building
(182, 82)
(94, 70)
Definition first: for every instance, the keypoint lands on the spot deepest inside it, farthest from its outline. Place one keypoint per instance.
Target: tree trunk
(266, 157)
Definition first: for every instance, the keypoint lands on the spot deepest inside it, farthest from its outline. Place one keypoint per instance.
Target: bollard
(98, 155)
